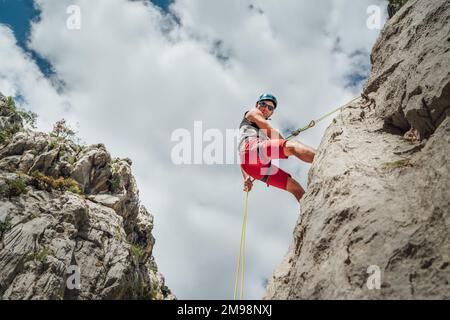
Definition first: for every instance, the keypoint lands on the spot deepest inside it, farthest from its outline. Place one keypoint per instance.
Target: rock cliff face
(69, 210)
(378, 199)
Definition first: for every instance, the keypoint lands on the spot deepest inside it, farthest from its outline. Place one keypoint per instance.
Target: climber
(259, 143)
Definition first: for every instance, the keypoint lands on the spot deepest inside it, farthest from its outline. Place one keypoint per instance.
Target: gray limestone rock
(378, 201)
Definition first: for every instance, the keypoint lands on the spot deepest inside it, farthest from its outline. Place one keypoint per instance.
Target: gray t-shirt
(249, 130)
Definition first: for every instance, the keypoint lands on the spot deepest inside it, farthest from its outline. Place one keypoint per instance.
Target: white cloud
(19, 75)
(133, 76)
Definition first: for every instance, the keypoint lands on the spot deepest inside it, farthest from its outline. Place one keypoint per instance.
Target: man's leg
(300, 150)
(295, 188)
(282, 149)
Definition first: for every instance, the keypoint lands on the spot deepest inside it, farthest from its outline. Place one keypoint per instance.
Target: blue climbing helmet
(268, 97)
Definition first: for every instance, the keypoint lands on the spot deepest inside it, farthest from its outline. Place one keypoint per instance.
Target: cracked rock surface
(378, 190)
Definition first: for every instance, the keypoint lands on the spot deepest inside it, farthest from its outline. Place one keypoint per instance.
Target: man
(259, 143)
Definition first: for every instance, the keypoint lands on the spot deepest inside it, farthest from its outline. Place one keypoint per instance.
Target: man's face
(265, 106)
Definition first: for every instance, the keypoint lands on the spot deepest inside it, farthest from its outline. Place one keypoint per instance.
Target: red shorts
(255, 161)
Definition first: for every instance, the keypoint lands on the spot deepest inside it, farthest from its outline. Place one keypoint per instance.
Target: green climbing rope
(241, 258)
(314, 122)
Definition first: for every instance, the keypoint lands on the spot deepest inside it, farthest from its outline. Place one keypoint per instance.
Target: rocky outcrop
(377, 206)
(394, 6)
(69, 210)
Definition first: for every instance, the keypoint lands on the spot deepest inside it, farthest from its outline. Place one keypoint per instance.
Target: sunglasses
(268, 106)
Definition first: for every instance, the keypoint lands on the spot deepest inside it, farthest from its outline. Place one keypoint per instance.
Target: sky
(136, 71)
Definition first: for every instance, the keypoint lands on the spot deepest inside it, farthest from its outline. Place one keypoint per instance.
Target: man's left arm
(264, 125)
